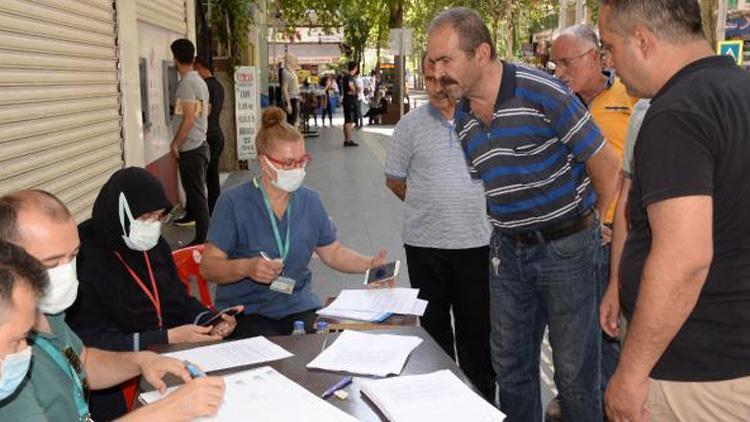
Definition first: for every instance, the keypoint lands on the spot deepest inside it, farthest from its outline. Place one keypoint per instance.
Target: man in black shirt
(348, 89)
(685, 270)
(214, 136)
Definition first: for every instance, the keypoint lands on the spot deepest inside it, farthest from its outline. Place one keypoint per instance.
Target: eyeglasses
(566, 62)
(291, 164)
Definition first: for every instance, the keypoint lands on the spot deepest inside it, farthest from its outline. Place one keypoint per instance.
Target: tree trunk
(709, 11)
(396, 20)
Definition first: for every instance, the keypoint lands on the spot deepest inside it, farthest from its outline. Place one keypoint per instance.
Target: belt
(557, 230)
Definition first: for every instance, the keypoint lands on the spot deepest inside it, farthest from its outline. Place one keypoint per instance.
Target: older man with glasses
(578, 63)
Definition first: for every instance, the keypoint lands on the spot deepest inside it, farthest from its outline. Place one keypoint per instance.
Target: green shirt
(47, 392)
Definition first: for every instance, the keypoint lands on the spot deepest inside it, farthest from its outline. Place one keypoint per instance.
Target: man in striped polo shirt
(445, 232)
(547, 171)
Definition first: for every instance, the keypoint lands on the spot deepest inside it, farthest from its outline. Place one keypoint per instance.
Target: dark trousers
(251, 325)
(193, 165)
(213, 184)
(457, 279)
(547, 284)
(358, 108)
(327, 111)
(294, 116)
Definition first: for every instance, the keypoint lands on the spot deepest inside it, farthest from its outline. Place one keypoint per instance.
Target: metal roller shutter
(168, 14)
(60, 111)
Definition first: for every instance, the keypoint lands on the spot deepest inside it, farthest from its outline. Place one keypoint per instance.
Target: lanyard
(78, 394)
(282, 247)
(153, 297)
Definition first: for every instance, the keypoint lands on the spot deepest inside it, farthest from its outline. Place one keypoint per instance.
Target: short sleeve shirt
(192, 89)
(46, 394)
(695, 142)
(634, 126)
(532, 156)
(444, 207)
(241, 228)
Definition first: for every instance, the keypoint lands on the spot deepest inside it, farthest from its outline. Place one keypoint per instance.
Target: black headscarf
(144, 193)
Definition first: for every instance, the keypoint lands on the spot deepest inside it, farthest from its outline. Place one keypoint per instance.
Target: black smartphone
(216, 318)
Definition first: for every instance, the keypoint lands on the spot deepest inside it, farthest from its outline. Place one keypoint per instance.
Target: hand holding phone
(380, 273)
(216, 318)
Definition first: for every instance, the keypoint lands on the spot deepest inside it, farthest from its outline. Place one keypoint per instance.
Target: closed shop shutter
(60, 111)
(168, 14)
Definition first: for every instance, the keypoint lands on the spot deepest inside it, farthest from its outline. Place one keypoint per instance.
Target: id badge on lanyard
(282, 284)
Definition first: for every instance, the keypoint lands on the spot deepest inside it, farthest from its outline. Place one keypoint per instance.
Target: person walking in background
(189, 144)
(349, 91)
(327, 83)
(214, 135)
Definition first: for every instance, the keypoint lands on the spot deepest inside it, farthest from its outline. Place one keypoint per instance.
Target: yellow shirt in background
(611, 110)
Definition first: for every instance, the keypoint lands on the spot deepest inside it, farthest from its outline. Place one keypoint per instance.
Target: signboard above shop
(307, 35)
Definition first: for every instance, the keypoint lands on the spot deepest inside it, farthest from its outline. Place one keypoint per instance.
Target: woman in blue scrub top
(263, 234)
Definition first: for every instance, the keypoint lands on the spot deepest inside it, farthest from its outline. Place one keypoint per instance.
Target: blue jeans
(610, 346)
(553, 283)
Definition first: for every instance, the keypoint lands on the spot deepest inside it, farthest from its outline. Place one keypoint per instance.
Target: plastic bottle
(299, 328)
(322, 327)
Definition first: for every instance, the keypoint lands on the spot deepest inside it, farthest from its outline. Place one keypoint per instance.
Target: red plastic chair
(187, 260)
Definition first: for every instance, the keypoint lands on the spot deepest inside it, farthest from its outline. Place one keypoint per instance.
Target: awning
(307, 53)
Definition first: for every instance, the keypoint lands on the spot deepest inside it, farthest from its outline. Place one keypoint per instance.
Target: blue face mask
(14, 368)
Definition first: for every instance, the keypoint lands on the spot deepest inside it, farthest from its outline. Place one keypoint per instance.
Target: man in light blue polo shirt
(446, 231)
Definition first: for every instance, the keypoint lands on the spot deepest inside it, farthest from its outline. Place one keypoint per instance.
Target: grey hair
(469, 26)
(670, 20)
(584, 33)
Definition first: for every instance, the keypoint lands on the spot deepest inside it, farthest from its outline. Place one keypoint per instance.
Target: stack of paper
(232, 354)
(263, 394)
(372, 304)
(439, 396)
(361, 353)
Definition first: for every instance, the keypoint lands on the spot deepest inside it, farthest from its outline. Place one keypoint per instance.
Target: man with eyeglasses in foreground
(263, 234)
(63, 369)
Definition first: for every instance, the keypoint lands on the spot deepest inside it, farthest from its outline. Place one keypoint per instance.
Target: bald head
(12, 205)
(41, 224)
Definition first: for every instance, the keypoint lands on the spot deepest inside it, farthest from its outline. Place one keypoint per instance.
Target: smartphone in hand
(216, 318)
(382, 272)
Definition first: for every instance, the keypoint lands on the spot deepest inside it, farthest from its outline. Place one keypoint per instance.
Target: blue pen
(338, 386)
(193, 370)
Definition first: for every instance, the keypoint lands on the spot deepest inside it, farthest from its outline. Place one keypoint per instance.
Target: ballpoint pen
(193, 370)
(338, 386)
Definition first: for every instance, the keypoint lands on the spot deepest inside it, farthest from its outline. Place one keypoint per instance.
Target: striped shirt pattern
(532, 156)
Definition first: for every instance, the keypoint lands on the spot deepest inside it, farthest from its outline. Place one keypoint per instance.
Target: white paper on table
(357, 315)
(366, 354)
(436, 397)
(397, 300)
(419, 307)
(263, 394)
(232, 354)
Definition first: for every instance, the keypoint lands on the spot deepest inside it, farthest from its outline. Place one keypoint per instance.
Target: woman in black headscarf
(130, 296)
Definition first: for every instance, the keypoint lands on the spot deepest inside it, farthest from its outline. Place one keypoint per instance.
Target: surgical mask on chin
(62, 290)
(144, 235)
(287, 180)
(13, 370)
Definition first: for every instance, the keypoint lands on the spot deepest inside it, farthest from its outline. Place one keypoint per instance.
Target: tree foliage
(232, 19)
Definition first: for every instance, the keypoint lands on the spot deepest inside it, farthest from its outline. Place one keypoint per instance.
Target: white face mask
(13, 371)
(144, 235)
(62, 290)
(287, 180)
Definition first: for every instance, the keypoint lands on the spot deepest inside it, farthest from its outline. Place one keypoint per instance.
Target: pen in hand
(193, 370)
